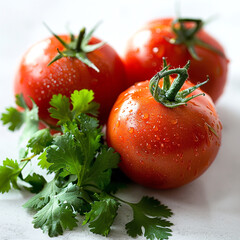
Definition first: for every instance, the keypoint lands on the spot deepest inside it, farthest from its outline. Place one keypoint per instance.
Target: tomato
(35, 79)
(163, 147)
(145, 49)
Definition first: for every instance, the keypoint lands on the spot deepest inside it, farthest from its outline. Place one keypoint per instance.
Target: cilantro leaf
(149, 214)
(56, 208)
(55, 218)
(13, 118)
(20, 101)
(82, 102)
(8, 175)
(102, 214)
(75, 150)
(37, 181)
(40, 140)
(60, 108)
(89, 139)
(31, 122)
(100, 174)
(43, 163)
(42, 198)
(65, 155)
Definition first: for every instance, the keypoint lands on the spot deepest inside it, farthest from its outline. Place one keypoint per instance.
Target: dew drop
(174, 121)
(148, 146)
(145, 116)
(155, 128)
(121, 138)
(130, 130)
(155, 50)
(196, 154)
(166, 139)
(117, 123)
(157, 137)
(196, 139)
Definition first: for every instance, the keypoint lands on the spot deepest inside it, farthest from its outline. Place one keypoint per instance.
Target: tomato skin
(163, 147)
(145, 49)
(39, 81)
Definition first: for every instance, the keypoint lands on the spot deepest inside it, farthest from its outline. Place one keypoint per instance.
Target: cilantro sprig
(81, 165)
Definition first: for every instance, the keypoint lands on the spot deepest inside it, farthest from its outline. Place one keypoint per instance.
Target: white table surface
(206, 209)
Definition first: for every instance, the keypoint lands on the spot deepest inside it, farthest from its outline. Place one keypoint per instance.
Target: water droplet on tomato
(196, 154)
(180, 155)
(174, 121)
(162, 145)
(155, 128)
(157, 137)
(166, 139)
(117, 123)
(130, 130)
(148, 146)
(155, 49)
(121, 138)
(195, 138)
(145, 116)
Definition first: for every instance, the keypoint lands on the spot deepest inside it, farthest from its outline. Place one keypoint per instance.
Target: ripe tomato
(35, 79)
(163, 147)
(155, 40)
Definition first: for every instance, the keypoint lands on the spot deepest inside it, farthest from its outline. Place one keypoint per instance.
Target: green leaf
(149, 214)
(77, 47)
(40, 140)
(21, 102)
(13, 118)
(89, 140)
(54, 218)
(31, 123)
(82, 102)
(60, 108)
(43, 163)
(9, 172)
(102, 215)
(37, 181)
(65, 154)
(100, 173)
(83, 58)
(42, 198)
(57, 207)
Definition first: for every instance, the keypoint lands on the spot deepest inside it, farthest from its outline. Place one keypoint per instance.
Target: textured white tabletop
(206, 209)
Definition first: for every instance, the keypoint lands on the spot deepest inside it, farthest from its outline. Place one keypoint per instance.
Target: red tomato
(35, 79)
(163, 147)
(145, 49)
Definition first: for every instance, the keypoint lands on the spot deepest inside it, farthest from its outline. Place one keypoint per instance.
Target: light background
(208, 208)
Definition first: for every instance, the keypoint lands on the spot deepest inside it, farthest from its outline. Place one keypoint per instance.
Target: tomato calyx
(78, 47)
(186, 35)
(169, 94)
